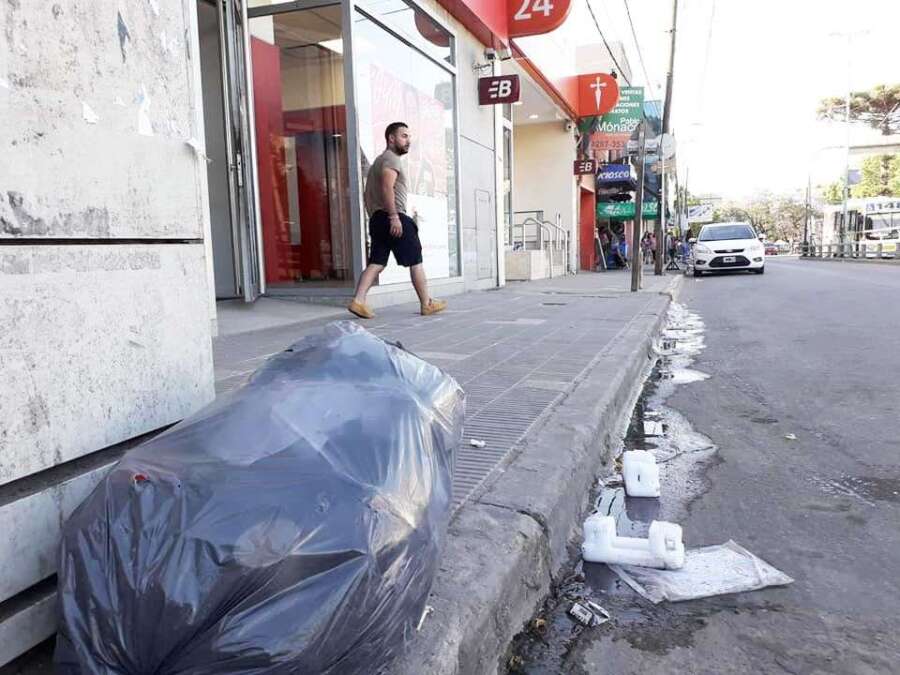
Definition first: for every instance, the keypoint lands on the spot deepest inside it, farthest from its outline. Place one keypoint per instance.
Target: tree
(879, 108)
(730, 212)
(833, 192)
(789, 219)
(879, 177)
(778, 217)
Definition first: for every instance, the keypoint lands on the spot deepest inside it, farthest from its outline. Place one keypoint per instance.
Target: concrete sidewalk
(551, 370)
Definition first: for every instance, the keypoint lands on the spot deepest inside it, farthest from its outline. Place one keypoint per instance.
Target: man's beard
(400, 150)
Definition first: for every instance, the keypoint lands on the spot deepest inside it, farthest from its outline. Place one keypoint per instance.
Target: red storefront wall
(586, 227)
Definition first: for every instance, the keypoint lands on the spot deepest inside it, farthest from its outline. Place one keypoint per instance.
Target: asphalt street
(810, 349)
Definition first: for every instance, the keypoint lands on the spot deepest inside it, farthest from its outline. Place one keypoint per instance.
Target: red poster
(396, 101)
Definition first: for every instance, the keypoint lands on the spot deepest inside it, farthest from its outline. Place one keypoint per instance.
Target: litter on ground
(663, 547)
(712, 570)
(653, 428)
(641, 473)
(589, 614)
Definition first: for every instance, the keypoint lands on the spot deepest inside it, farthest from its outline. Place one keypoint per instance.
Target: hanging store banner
(700, 213)
(625, 210)
(598, 94)
(617, 126)
(614, 173)
(535, 17)
(498, 89)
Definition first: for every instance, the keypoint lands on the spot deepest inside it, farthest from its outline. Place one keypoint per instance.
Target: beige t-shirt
(373, 195)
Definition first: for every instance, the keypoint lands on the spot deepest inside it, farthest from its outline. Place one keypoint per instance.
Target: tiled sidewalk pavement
(516, 351)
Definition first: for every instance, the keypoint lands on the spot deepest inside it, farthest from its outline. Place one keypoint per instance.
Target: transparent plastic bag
(708, 571)
(294, 525)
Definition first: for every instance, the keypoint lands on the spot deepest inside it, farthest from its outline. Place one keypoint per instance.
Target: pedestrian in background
(390, 229)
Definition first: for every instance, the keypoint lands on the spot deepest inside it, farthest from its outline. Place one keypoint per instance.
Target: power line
(606, 44)
(637, 46)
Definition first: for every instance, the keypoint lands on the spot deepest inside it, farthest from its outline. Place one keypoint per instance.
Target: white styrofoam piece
(641, 473)
(662, 549)
(653, 428)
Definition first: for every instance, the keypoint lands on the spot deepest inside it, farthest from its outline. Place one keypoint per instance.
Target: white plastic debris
(428, 610)
(475, 443)
(707, 571)
(612, 480)
(589, 614)
(663, 547)
(641, 473)
(791, 437)
(601, 616)
(653, 428)
(581, 613)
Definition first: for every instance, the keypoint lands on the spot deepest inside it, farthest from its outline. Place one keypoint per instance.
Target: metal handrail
(565, 235)
(538, 224)
(851, 251)
(539, 215)
(544, 228)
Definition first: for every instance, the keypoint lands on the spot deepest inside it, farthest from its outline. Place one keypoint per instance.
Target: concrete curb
(505, 549)
(861, 261)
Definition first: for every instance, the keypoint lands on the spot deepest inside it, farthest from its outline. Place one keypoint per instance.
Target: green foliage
(833, 192)
(879, 108)
(879, 177)
(778, 216)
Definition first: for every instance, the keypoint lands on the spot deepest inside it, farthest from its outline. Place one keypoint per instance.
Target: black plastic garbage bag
(293, 526)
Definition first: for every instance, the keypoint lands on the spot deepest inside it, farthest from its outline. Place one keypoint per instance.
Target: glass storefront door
(301, 131)
(404, 73)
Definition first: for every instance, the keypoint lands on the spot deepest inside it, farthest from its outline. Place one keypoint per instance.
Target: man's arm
(388, 178)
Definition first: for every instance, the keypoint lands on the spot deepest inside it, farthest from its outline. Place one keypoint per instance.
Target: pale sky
(749, 124)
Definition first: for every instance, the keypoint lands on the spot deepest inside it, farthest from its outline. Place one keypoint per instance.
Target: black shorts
(407, 249)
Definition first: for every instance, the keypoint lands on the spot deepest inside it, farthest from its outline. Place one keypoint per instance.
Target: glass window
(396, 83)
(726, 232)
(298, 86)
(415, 25)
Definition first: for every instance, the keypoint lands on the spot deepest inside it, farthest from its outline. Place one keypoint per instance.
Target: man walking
(390, 229)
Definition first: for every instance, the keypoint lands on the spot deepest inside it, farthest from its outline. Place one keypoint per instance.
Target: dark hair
(392, 129)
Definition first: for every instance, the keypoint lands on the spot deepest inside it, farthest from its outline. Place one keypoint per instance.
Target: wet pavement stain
(869, 489)
(553, 640)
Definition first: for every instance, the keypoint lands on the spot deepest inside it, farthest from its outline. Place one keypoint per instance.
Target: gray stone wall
(105, 303)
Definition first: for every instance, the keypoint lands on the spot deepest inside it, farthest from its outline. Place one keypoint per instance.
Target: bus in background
(870, 222)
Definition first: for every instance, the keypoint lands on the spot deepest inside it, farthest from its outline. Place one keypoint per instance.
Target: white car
(728, 246)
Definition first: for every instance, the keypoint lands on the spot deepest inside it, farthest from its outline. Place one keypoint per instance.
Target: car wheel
(761, 270)
(697, 273)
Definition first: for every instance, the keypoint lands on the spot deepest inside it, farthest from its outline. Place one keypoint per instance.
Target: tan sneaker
(361, 310)
(433, 307)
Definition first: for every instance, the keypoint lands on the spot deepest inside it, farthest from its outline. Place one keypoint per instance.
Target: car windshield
(724, 232)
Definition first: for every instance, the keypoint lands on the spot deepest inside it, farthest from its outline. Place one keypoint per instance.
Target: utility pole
(667, 115)
(807, 228)
(636, 263)
(849, 35)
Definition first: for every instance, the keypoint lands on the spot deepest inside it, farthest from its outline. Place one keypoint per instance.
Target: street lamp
(848, 35)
